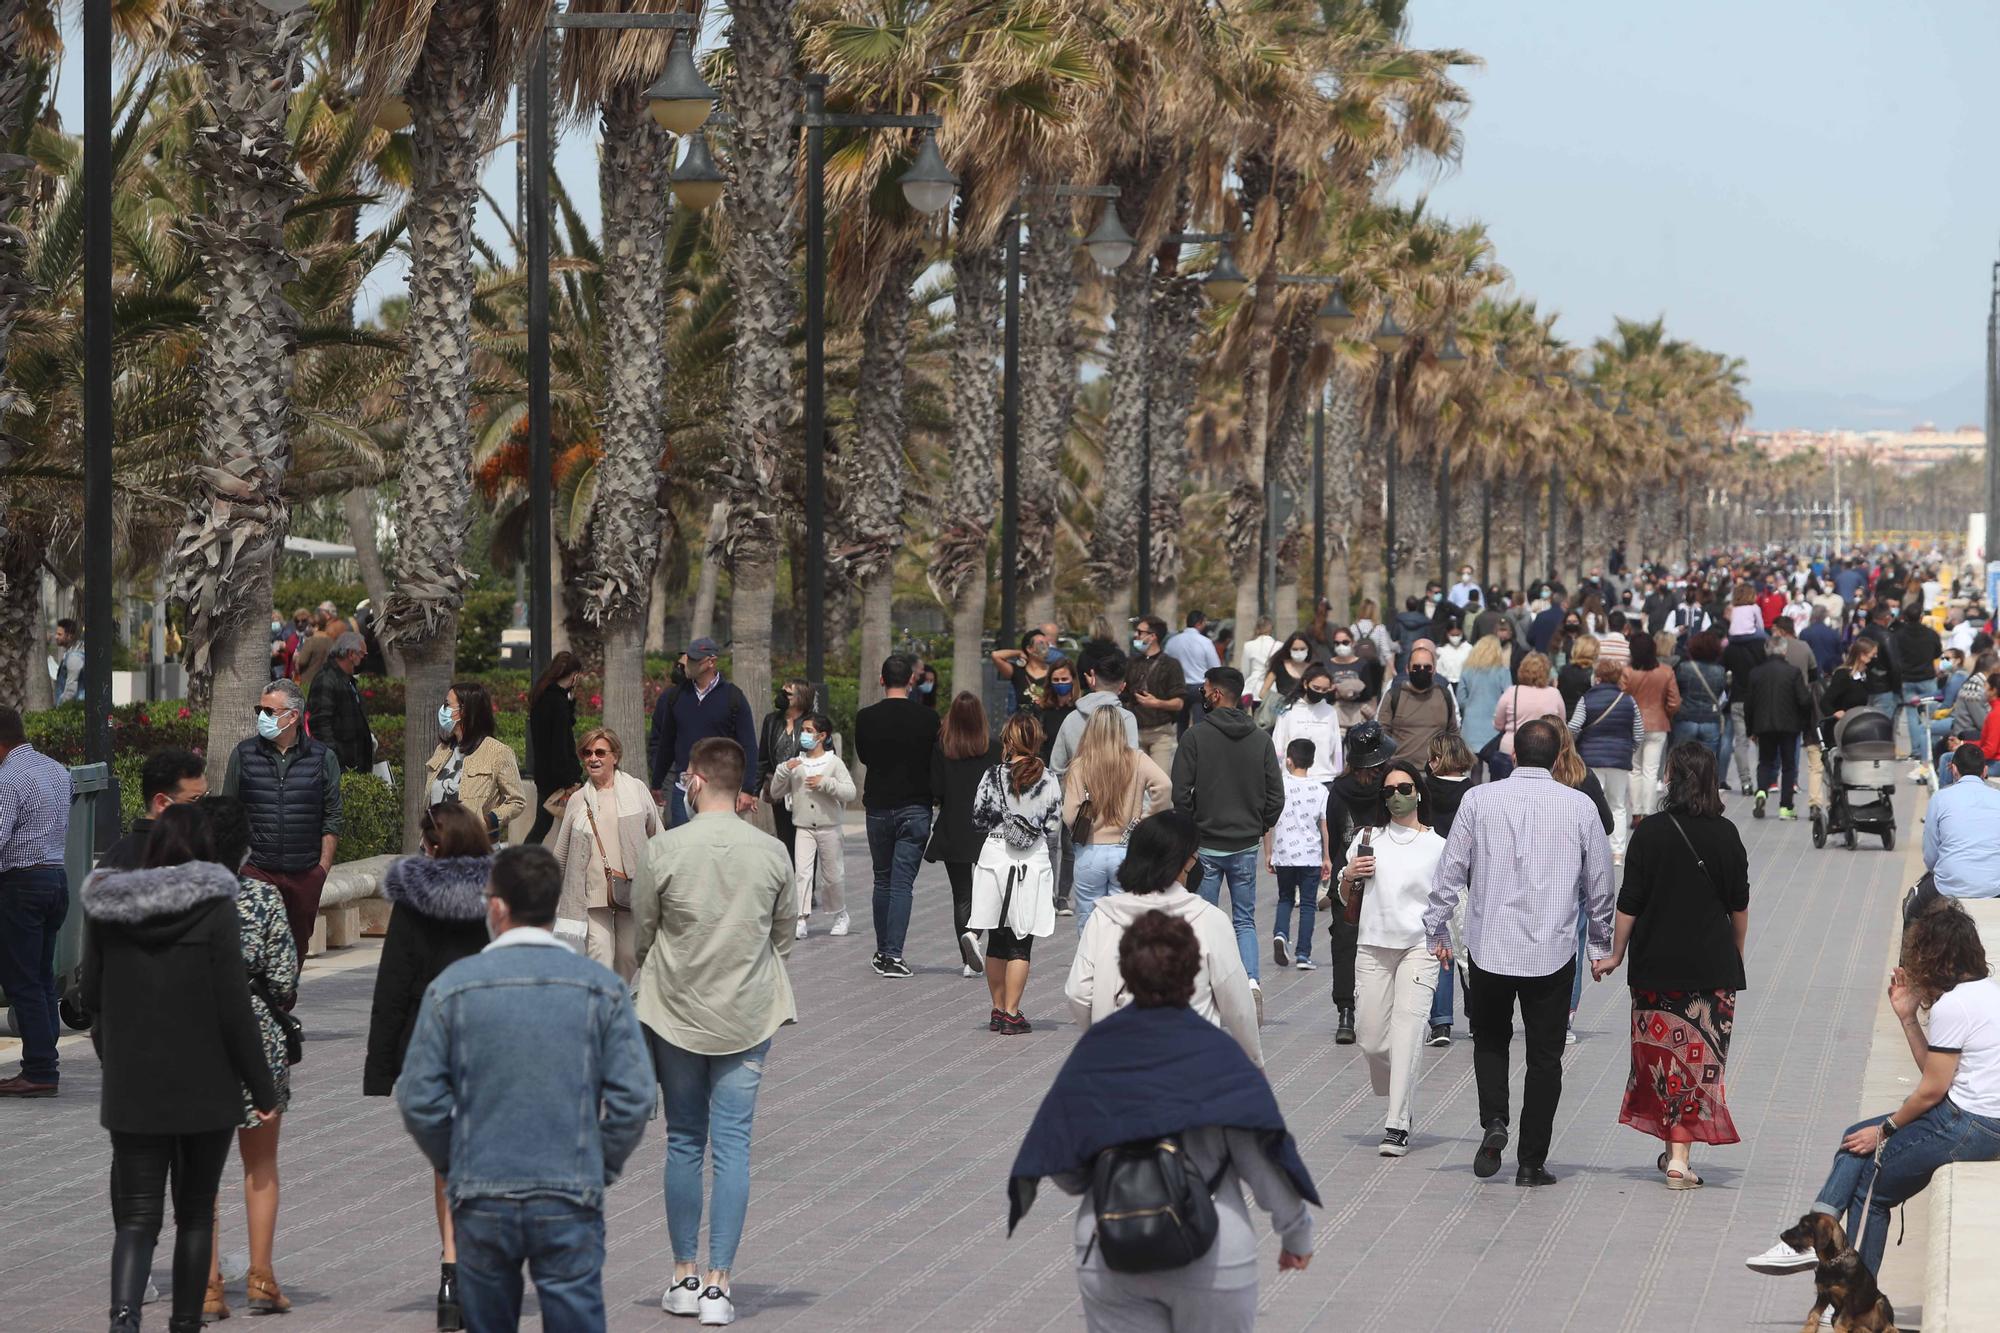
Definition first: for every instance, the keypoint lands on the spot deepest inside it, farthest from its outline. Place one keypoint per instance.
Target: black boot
(450, 1317)
(1343, 1035)
(184, 1323)
(124, 1319)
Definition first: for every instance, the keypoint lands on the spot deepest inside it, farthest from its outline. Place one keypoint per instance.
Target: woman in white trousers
(1395, 976)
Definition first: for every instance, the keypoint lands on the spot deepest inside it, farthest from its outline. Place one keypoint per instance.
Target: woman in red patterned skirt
(1683, 912)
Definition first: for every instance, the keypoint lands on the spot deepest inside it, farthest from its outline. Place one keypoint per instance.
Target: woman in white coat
(1018, 805)
(1313, 718)
(601, 847)
(1158, 857)
(815, 786)
(1395, 977)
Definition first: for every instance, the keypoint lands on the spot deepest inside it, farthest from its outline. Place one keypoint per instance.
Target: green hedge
(374, 817)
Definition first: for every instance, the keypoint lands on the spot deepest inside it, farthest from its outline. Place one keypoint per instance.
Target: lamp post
(1109, 245)
(98, 423)
(928, 186)
(1448, 355)
(681, 103)
(1389, 338)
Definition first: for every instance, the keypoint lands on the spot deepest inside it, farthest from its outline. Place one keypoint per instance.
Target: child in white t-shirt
(1298, 852)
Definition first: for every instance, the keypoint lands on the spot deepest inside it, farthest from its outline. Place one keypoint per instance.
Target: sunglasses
(598, 753)
(1343, 643)
(1400, 788)
(262, 711)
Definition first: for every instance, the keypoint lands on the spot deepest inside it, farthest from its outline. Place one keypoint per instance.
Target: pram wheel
(1818, 829)
(1888, 839)
(1851, 840)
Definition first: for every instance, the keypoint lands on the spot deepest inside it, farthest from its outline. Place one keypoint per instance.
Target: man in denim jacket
(489, 1090)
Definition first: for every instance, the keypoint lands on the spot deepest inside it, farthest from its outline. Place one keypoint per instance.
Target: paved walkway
(889, 1117)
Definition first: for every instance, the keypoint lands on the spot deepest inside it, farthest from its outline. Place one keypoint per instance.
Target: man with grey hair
(335, 716)
(289, 784)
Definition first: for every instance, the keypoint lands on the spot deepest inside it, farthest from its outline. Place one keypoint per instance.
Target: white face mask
(1299, 654)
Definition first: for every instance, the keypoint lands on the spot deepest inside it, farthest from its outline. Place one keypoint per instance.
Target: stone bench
(1961, 1281)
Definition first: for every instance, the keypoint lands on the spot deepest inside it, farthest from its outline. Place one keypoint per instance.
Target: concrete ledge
(351, 897)
(1962, 1207)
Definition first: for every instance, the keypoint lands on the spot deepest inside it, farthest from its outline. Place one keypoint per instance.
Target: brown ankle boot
(213, 1306)
(265, 1297)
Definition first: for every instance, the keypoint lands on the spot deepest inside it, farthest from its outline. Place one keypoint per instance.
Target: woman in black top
(552, 737)
(965, 749)
(1058, 702)
(163, 971)
(1683, 912)
(437, 916)
(1847, 688)
(777, 742)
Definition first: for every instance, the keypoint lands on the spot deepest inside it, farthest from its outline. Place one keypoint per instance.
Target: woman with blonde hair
(1113, 787)
(1532, 696)
(1017, 806)
(1481, 683)
(601, 847)
(1579, 673)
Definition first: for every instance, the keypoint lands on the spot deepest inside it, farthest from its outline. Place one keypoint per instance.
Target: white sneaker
(968, 970)
(1569, 1036)
(684, 1297)
(1782, 1258)
(717, 1309)
(974, 943)
(1257, 994)
(839, 923)
(800, 932)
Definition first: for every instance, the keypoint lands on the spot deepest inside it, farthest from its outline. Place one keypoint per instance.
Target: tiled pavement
(889, 1116)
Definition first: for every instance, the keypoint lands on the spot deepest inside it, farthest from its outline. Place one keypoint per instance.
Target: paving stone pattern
(889, 1116)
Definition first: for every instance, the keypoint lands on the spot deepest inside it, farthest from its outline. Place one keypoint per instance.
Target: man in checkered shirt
(34, 899)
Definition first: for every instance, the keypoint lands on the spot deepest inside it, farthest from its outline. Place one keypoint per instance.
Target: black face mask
(1319, 695)
(680, 676)
(784, 700)
(1420, 677)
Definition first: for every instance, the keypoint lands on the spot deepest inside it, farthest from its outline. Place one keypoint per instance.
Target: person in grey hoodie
(1226, 776)
(1105, 675)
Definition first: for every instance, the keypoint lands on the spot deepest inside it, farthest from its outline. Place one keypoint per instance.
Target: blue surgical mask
(1062, 689)
(268, 726)
(444, 717)
(808, 741)
(927, 687)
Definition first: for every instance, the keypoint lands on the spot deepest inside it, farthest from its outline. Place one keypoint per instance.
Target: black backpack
(1154, 1210)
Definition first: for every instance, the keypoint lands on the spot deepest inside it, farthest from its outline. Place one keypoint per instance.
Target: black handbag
(1154, 1211)
(288, 1023)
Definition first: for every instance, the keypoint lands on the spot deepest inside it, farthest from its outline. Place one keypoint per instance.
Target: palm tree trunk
(958, 567)
(1048, 393)
(20, 623)
(357, 506)
(452, 127)
(1344, 470)
(1176, 367)
(1114, 538)
(625, 515)
(874, 468)
(17, 290)
(236, 519)
(758, 262)
(701, 622)
(656, 615)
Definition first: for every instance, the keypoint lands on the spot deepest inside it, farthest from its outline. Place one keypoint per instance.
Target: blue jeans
(1709, 734)
(1301, 883)
(896, 845)
(1240, 869)
(33, 903)
(1914, 720)
(561, 1242)
(1939, 1136)
(710, 1100)
(1096, 875)
(1582, 962)
(1441, 998)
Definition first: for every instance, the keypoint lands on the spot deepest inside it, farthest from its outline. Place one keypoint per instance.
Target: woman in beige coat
(473, 766)
(602, 842)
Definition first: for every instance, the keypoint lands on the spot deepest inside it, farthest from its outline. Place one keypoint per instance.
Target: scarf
(1142, 1074)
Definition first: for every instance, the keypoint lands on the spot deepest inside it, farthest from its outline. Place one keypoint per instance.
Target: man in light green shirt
(712, 935)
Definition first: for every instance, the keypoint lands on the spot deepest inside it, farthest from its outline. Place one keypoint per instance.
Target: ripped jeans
(710, 1100)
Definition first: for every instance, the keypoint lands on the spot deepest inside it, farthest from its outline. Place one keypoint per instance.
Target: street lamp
(1389, 336)
(672, 96)
(1225, 282)
(1109, 245)
(928, 187)
(1448, 355)
(1334, 318)
(697, 182)
(680, 99)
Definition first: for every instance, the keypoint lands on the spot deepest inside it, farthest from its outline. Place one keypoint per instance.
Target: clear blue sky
(1812, 185)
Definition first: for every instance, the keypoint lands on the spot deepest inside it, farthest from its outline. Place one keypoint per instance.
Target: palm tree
(1049, 351)
(23, 83)
(613, 74)
(236, 517)
(454, 63)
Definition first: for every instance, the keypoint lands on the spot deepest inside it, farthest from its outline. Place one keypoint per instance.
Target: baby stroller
(1861, 779)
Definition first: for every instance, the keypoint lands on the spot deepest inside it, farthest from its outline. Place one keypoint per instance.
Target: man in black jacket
(1226, 776)
(1354, 802)
(169, 777)
(1779, 707)
(1743, 655)
(335, 715)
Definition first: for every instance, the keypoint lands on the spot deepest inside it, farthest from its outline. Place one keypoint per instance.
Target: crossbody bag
(617, 884)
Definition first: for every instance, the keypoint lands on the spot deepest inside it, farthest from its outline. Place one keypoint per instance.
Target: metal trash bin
(87, 782)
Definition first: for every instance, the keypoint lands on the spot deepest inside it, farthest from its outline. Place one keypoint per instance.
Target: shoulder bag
(288, 1022)
(617, 885)
(1154, 1210)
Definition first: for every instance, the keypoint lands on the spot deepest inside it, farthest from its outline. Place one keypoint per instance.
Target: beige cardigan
(489, 784)
(573, 846)
(1156, 793)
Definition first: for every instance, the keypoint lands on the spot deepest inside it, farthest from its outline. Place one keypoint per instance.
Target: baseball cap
(703, 647)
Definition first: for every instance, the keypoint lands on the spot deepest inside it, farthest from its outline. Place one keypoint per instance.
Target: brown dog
(1841, 1280)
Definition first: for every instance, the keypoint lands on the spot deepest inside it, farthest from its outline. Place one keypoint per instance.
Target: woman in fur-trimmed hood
(437, 916)
(163, 971)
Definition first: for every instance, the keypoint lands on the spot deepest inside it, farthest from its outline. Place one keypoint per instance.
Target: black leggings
(960, 875)
(140, 1166)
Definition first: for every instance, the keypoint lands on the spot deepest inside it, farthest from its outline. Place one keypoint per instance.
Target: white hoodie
(1221, 988)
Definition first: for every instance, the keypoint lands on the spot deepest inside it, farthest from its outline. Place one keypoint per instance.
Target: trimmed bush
(374, 817)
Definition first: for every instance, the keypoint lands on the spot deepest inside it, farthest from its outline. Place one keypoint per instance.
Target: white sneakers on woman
(709, 1304)
(684, 1297)
(717, 1310)
(1781, 1258)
